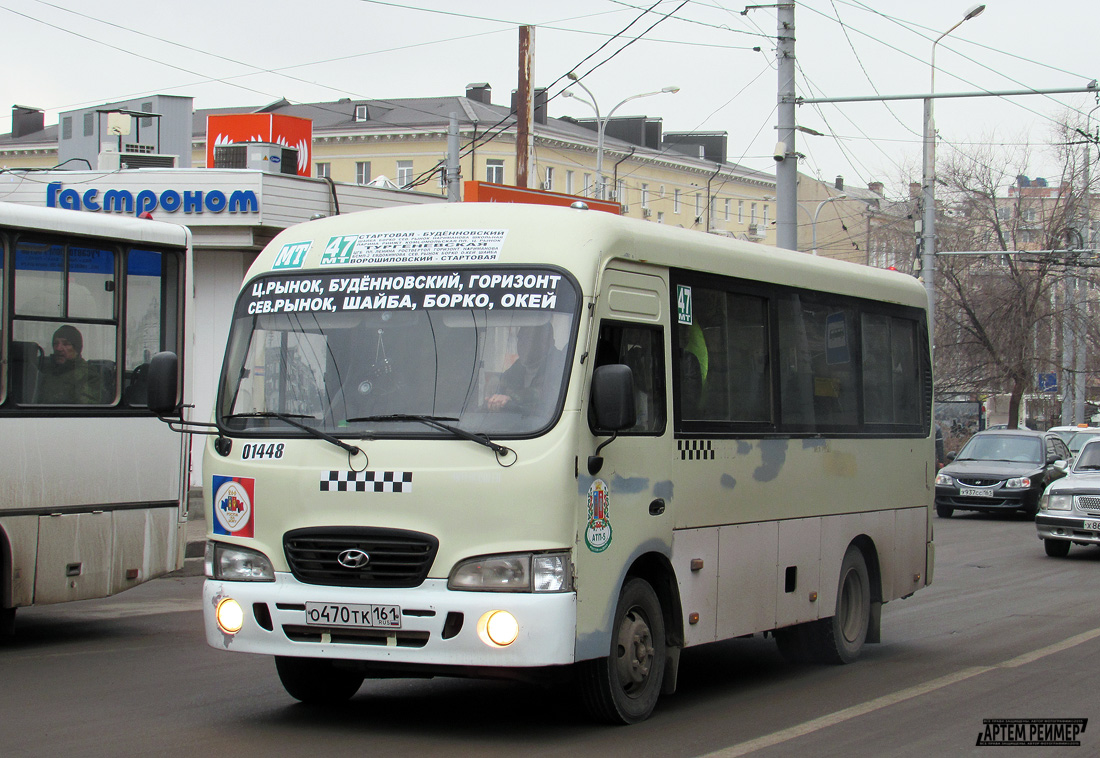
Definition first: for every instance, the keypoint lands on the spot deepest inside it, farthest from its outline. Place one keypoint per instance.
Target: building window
(698, 205)
(740, 211)
(587, 185)
(404, 173)
(67, 127)
(360, 113)
(1003, 213)
(362, 172)
(765, 215)
(147, 108)
(322, 169)
(549, 186)
(569, 182)
(644, 199)
(660, 217)
(89, 124)
(752, 214)
(620, 192)
(676, 200)
(726, 209)
(494, 171)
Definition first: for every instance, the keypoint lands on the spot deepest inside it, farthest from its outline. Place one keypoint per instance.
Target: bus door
(626, 503)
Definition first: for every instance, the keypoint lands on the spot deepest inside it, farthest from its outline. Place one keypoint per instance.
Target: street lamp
(813, 226)
(928, 222)
(601, 123)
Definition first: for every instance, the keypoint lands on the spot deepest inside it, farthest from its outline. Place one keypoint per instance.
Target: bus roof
(581, 241)
(106, 226)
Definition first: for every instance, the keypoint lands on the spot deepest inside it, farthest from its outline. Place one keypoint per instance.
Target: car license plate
(1093, 525)
(972, 492)
(357, 616)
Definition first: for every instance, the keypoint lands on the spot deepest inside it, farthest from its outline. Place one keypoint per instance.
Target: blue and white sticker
(597, 535)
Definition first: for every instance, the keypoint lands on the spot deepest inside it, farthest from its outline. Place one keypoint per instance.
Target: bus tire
(7, 622)
(623, 688)
(840, 639)
(317, 680)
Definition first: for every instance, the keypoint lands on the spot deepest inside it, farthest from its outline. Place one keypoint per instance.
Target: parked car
(1001, 470)
(1080, 437)
(1069, 511)
(1067, 432)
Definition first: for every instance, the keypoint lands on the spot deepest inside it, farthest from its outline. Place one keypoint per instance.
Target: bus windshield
(484, 351)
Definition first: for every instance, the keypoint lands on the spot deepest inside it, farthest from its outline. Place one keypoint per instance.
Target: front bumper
(1000, 499)
(547, 621)
(1084, 530)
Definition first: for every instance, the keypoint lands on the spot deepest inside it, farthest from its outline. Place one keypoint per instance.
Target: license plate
(971, 492)
(1093, 525)
(357, 616)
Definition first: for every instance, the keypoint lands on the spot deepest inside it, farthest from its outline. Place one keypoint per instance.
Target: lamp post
(928, 220)
(601, 123)
(813, 226)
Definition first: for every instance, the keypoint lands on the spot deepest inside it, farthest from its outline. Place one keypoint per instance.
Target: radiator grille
(394, 557)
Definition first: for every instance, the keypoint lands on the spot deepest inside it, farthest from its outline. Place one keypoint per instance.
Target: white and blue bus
(92, 486)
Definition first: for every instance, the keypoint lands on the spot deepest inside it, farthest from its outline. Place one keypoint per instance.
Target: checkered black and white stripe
(367, 481)
(695, 450)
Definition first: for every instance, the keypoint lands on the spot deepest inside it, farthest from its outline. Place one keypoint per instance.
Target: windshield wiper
(289, 419)
(439, 423)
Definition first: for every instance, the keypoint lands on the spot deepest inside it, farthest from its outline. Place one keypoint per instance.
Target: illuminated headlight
(498, 628)
(1057, 502)
(236, 564)
(519, 572)
(945, 480)
(229, 615)
(1018, 483)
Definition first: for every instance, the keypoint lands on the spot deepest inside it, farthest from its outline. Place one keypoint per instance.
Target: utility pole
(525, 107)
(454, 189)
(786, 157)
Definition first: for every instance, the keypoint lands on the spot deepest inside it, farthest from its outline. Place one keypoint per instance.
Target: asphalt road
(1003, 632)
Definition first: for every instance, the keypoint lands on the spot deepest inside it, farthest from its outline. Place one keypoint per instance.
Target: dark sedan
(1001, 470)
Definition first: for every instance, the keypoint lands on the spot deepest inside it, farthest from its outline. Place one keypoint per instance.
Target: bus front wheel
(316, 680)
(623, 687)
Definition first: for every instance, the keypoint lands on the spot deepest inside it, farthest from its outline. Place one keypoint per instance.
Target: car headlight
(1055, 502)
(1018, 483)
(945, 480)
(236, 564)
(518, 572)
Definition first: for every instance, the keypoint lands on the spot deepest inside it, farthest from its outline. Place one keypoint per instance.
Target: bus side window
(640, 348)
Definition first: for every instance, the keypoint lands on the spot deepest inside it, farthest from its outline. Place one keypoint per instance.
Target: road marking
(832, 719)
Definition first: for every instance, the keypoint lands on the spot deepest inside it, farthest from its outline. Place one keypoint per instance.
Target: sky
(64, 54)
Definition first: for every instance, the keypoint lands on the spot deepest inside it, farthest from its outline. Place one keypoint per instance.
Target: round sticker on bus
(598, 534)
(233, 505)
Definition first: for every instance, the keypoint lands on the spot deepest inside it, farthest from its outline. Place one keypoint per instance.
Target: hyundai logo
(353, 559)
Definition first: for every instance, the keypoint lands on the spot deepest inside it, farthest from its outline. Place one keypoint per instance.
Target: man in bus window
(67, 378)
(521, 385)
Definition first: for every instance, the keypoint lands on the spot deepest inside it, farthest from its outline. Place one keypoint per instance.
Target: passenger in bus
(67, 378)
(528, 385)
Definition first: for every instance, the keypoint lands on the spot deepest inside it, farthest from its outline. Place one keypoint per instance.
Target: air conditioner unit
(646, 212)
(110, 160)
(756, 232)
(259, 156)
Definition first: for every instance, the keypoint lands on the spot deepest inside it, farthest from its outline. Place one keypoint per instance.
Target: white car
(1069, 510)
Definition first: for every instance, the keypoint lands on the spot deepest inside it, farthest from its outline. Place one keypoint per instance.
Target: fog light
(229, 615)
(498, 628)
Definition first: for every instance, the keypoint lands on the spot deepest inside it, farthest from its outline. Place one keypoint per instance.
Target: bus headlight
(498, 628)
(517, 572)
(1058, 502)
(237, 564)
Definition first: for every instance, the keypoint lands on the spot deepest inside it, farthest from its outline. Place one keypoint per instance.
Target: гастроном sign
(147, 201)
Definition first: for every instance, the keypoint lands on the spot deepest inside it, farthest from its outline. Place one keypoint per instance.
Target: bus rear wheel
(623, 687)
(7, 622)
(840, 638)
(316, 680)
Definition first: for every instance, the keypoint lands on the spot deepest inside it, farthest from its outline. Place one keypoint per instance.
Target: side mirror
(163, 383)
(613, 397)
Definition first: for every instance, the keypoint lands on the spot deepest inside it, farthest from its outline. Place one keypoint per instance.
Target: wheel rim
(634, 651)
(851, 606)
